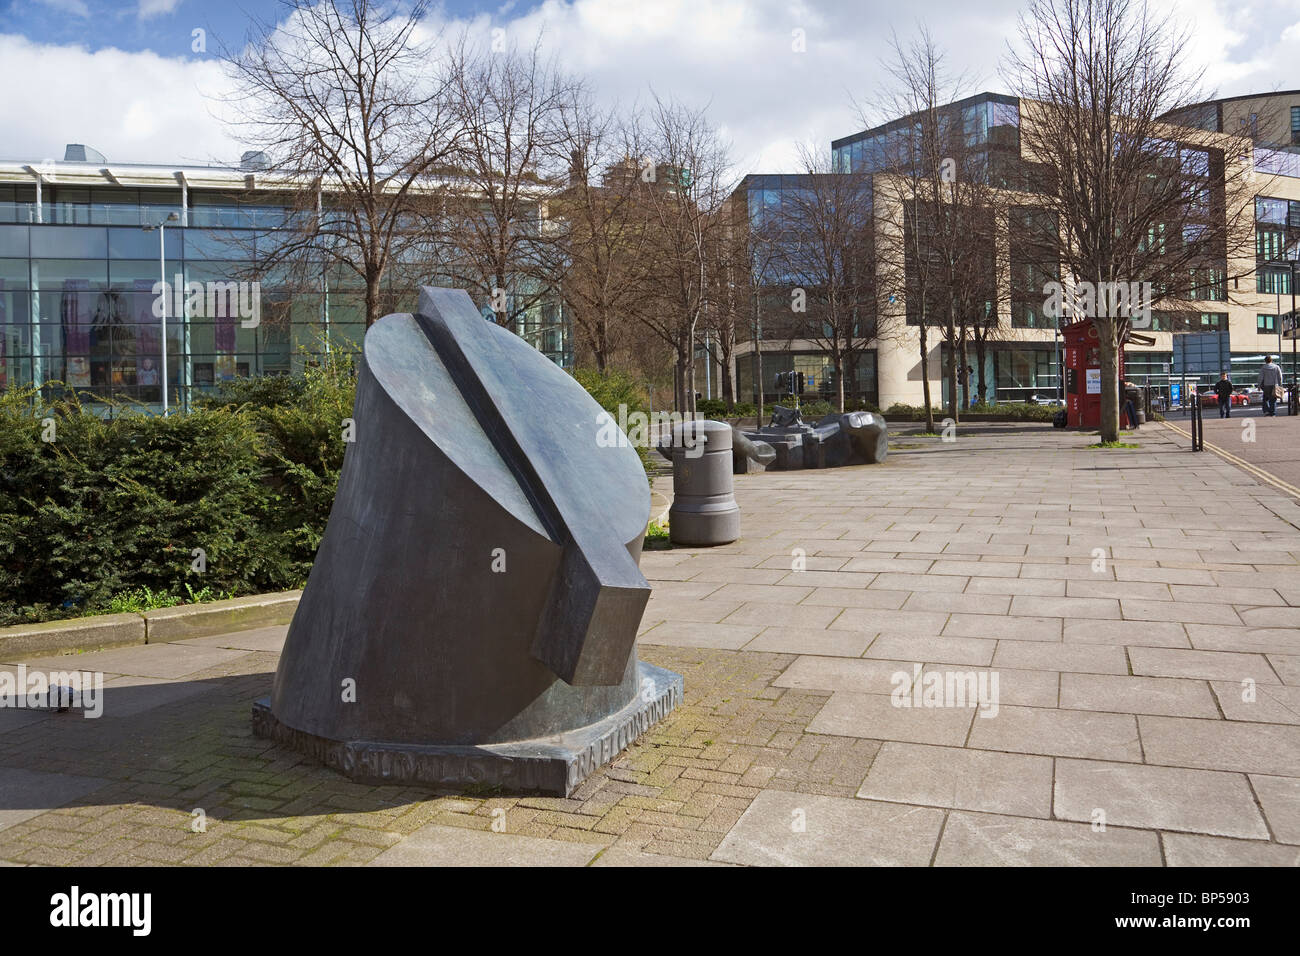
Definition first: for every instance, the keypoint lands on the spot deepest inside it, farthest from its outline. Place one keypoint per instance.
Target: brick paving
(1139, 608)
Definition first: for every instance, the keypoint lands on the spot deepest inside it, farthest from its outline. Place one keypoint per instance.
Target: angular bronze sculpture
(471, 615)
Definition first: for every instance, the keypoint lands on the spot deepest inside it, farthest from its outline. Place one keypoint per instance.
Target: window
(1268, 243)
(1295, 125)
(1212, 321)
(1273, 281)
(1266, 324)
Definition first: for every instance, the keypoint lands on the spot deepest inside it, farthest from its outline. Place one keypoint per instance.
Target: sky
(141, 80)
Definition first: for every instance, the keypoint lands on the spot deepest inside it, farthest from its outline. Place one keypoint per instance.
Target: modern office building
(1022, 355)
(81, 254)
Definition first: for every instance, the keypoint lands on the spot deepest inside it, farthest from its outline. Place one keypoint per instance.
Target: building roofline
(989, 96)
(1233, 99)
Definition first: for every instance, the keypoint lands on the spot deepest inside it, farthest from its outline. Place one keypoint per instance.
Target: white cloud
(733, 55)
(156, 8)
(132, 107)
(77, 8)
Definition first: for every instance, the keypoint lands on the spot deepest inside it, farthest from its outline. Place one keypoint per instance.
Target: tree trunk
(838, 359)
(951, 339)
(681, 383)
(925, 379)
(1106, 332)
(372, 300)
(981, 354)
(690, 372)
(728, 382)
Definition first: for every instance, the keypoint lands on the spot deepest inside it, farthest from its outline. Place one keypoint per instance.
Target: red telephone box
(1083, 374)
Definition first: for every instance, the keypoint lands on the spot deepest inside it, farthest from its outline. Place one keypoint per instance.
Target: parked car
(1049, 400)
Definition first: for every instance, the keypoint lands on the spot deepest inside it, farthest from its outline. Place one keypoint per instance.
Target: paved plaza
(1131, 617)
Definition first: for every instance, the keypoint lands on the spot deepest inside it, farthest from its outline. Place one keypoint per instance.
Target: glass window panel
(13, 274)
(137, 244)
(47, 272)
(129, 270)
(1270, 210)
(63, 242)
(217, 244)
(13, 241)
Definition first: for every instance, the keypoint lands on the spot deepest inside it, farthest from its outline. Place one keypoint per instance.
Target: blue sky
(123, 77)
(161, 26)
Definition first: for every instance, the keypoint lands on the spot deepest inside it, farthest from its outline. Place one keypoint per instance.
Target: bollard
(704, 509)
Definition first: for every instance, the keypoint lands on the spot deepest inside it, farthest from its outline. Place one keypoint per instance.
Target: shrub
(611, 389)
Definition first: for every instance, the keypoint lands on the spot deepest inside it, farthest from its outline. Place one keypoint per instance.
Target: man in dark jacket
(1270, 380)
(1223, 388)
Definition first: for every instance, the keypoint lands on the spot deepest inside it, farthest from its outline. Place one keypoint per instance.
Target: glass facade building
(79, 275)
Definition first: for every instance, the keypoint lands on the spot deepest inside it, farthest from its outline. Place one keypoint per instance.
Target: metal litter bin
(704, 509)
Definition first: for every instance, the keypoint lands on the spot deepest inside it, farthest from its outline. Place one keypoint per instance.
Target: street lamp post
(162, 275)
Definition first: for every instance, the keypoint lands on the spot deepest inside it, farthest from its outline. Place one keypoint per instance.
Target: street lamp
(162, 275)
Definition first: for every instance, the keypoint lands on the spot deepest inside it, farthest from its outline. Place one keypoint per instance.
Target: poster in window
(1094, 381)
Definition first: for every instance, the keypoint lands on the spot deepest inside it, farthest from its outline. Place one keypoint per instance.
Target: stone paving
(1139, 608)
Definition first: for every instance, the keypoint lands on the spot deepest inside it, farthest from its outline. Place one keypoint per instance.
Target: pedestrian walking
(1270, 383)
(1223, 388)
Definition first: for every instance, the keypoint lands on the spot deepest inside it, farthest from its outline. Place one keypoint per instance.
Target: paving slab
(268, 640)
(1136, 633)
(960, 778)
(1164, 798)
(1182, 849)
(1264, 703)
(800, 829)
(1003, 628)
(1117, 693)
(169, 661)
(985, 839)
(1200, 665)
(693, 634)
(1049, 656)
(807, 640)
(876, 717)
(1221, 745)
(1060, 733)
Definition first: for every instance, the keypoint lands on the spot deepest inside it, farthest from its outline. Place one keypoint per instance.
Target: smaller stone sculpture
(853, 438)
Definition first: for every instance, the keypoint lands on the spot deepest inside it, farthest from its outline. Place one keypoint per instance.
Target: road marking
(1254, 470)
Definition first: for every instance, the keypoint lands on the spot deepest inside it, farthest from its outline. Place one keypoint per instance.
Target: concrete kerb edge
(105, 631)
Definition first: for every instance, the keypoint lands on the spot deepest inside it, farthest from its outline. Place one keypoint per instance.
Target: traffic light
(800, 379)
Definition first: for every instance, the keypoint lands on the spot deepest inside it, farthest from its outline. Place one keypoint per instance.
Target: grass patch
(1115, 444)
(656, 537)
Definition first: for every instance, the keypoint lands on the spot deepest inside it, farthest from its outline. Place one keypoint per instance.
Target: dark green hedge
(119, 499)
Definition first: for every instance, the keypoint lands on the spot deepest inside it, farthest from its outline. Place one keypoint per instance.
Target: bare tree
(606, 238)
(1136, 199)
(343, 100)
(516, 109)
(682, 179)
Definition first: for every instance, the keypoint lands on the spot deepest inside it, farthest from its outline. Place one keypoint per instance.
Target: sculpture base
(554, 765)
